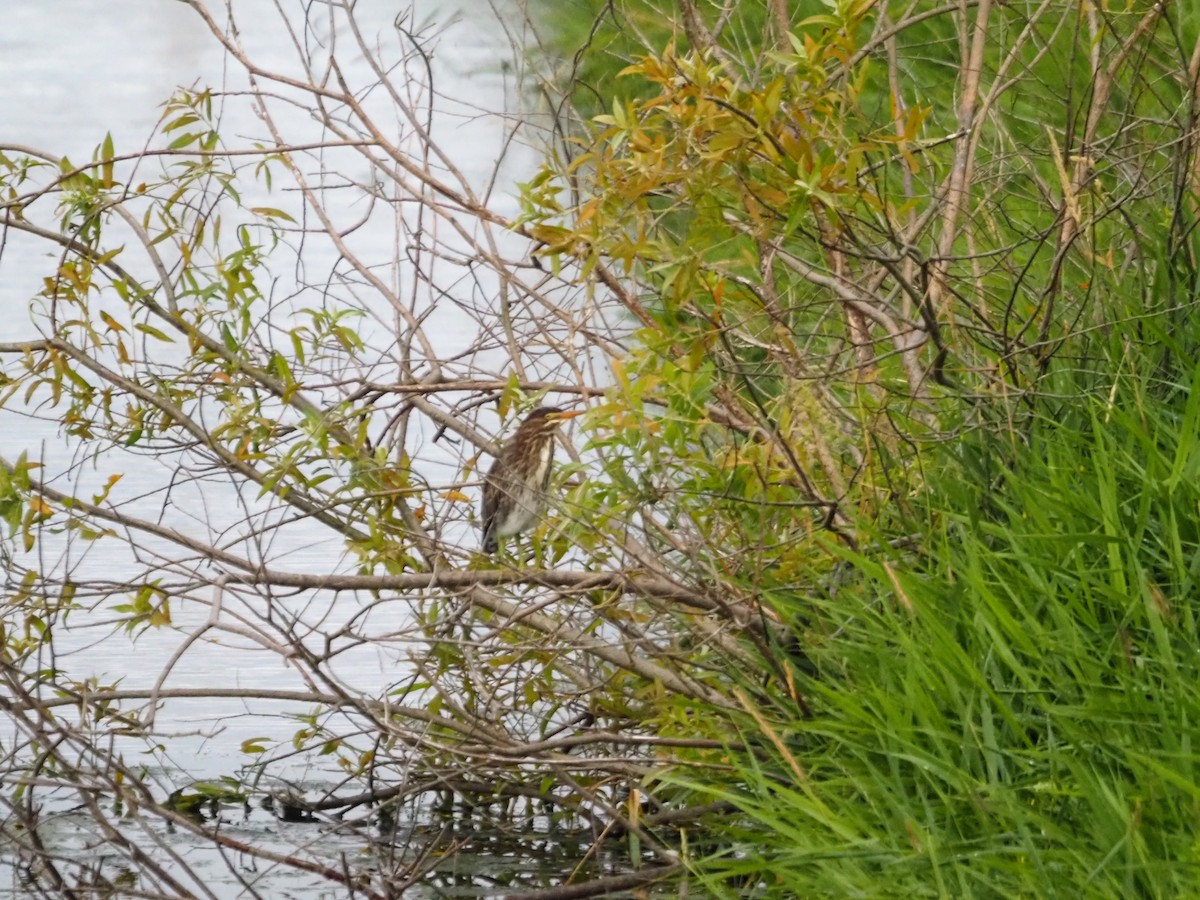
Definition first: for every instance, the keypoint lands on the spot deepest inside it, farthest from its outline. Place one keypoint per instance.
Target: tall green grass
(1009, 704)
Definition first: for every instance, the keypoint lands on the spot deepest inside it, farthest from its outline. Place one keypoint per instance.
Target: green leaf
(269, 212)
(154, 332)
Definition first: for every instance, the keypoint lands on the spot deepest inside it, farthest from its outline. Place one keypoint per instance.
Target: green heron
(514, 491)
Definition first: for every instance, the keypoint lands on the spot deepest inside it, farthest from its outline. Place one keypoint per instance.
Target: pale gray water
(72, 70)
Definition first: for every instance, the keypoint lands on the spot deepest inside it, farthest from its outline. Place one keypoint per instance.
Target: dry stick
(464, 200)
(147, 865)
(252, 573)
(1187, 172)
(1001, 85)
(51, 733)
(24, 201)
(628, 300)
(697, 33)
(957, 185)
(213, 622)
(475, 385)
(893, 73)
(422, 541)
(779, 12)
(883, 36)
(1102, 85)
(462, 579)
(451, 422)
(132, 523)
(335, 237)
(201, 435)
(1193, 84)
(602, 887)
(26, 826)
(259, 852)
(629, 823)
(561, 746)
(344, 96)
(555, 761)
(704, 41)
(421, 126)
(854, 296)
(214, 615)
(492, 257)
(401, 790)
(271, 384)
(674, 682)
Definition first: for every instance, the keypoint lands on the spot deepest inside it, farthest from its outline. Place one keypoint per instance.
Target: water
(63, 89)
(73, 71)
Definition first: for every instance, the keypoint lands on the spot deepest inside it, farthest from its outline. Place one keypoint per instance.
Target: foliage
(903, 331)
(1005, 706)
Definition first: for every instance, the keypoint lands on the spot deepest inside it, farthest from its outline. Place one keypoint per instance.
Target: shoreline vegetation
(872, 567)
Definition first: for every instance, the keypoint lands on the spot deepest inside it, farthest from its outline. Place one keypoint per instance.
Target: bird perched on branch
(514, 491)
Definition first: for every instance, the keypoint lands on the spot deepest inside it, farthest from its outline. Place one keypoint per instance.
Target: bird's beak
(569, 414)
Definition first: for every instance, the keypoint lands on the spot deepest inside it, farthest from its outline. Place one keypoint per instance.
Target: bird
(514, 489)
